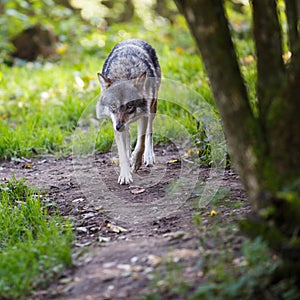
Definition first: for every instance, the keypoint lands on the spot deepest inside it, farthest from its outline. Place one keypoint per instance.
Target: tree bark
(277, 99)
(270, 67)
(292, 20)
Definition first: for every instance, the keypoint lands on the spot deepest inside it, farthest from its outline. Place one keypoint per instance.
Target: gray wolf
(130, 81)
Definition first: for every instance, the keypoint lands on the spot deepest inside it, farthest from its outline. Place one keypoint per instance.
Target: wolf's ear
(140, 81)
(105, 82)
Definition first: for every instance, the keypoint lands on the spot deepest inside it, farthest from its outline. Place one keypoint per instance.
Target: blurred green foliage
(70, 20)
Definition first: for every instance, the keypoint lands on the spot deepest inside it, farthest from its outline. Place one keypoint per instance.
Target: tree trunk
(264, 149)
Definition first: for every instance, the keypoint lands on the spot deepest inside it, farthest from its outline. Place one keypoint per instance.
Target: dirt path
(128, 237)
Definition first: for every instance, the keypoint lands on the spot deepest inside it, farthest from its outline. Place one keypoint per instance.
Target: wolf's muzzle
(120, 127)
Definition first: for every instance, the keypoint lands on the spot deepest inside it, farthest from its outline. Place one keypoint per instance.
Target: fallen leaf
(213, 213)
(81, 229)
(78, 200)
(137, 191)
(103, 239)
(114, 228)
(109, 265)
(154, 260)
(124, 267)
(26, 166)
(192, 153)
(88, 215)
(115, 161)
(181, 254)
(174, 161)
(174, 235)
(65, 280)
(100, 207)
(81, 245)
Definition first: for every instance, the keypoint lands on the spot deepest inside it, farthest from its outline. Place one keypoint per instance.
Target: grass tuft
(34, 246)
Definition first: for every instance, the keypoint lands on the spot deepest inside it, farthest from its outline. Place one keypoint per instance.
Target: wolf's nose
(120, 126)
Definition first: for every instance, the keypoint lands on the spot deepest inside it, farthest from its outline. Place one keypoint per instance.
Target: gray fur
(129, 58)
(129, 81)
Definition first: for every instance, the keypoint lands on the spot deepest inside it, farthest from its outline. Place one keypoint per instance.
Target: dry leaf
(103, 239)
(115, 228)
(115, 160)
(154, 260)
(81, 229)
(174, 161)
(137, 191)
(213, 213)
(78, 200)
(81, 245)
(26, 166)
(181, 254)
(100, 207)
(175, 235)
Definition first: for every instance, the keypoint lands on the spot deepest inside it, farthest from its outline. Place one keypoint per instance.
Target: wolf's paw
(125, 176)
(149, 158)
(136, 161)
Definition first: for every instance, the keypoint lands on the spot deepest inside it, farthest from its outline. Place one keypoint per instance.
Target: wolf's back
(129, 59)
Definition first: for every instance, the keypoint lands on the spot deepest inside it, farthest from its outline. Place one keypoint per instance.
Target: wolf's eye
(113, 108)
(130, 109)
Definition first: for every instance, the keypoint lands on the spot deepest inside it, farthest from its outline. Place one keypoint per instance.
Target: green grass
(34, 246)
(41, 102)
(39, 109)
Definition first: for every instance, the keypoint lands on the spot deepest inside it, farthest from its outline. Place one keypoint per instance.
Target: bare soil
(126, 236)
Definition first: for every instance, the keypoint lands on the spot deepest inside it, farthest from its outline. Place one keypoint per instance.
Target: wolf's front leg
(122, 143)
(137, 155)
(149, 157)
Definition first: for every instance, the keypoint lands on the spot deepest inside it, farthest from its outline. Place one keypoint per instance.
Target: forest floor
(149, 238)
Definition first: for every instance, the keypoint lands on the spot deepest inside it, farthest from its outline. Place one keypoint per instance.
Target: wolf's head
(123, 101)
